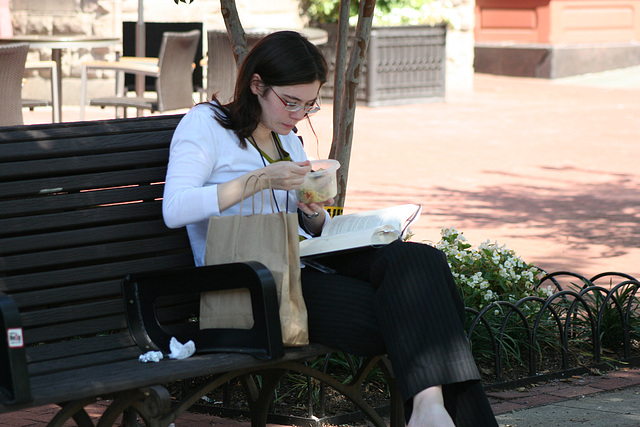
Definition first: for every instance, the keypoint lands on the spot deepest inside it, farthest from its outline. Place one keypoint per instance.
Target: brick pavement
(548, 392)
(548, 168)
(503, 401)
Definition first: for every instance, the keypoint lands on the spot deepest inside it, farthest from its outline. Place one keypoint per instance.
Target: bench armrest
(14, 376)
(263, 340)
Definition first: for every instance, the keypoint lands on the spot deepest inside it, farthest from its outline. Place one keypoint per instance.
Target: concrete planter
(404, 65)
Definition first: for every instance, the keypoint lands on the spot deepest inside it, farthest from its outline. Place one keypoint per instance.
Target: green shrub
(387, 12)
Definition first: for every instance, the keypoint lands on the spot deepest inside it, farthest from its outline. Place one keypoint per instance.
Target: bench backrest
(80, 208)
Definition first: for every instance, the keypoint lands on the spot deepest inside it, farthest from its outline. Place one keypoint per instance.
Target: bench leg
(149, 403)
(351, 390)
(260, 399)
(73, 410)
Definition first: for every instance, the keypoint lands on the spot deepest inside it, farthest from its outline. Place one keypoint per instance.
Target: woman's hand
(311, 209)
(315, 217)
(283, 175)
(287, 175)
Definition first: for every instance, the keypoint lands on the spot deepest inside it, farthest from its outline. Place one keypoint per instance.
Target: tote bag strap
(257, 180)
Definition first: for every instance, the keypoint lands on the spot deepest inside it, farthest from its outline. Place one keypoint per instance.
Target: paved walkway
(548, 168)
(612, 399)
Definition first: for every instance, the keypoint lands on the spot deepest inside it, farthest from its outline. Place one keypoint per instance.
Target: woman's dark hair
(283, 58)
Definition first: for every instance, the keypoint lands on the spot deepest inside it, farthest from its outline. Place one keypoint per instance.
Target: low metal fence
(586, 323)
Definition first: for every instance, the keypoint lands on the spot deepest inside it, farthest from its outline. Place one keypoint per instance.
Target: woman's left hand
(315, 209)
(314, 220)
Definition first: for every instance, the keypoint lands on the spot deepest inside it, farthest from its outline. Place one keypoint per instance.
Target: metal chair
(12, 57)
(32, 103)
(222, 70)
(173, 70)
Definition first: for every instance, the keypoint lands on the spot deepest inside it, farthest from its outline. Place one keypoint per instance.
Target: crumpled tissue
(181, 351)
(151, 356)
(178, 351)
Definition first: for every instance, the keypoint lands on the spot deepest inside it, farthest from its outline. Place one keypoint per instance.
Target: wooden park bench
(91, 278)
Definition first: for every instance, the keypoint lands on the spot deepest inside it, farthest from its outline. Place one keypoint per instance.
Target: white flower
(489, 295)
(547, 291)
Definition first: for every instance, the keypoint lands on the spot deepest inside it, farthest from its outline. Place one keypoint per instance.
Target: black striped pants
(400, 299)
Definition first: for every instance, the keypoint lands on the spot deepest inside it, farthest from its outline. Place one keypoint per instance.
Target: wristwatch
(315, 214)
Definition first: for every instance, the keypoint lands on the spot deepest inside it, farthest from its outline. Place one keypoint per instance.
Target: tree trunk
(347, 87)
(236, 33)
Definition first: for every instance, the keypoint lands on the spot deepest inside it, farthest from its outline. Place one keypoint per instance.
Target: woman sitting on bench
(399, 299)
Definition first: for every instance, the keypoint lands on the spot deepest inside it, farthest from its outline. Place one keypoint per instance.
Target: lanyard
(284, 156)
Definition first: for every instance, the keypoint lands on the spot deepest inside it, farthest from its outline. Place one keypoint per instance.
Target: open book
(371, 228)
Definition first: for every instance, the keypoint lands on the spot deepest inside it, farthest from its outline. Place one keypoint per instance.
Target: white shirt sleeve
(189, 196)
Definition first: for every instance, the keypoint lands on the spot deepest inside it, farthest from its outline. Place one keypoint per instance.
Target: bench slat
(75, 183)
(51, 279)
(82, 145)
(90, 235)
(66, 294)
(91, 255)
(87, 345)
(28, 301)
(45, 135)
(32, 169)
(106, 215)
(51, 316)
(92, 359)
(75, 329)
(86, 199)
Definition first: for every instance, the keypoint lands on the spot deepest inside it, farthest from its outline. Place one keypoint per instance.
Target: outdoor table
(56, 44)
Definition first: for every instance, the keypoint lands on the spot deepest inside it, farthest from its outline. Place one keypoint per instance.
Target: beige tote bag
(271, 239)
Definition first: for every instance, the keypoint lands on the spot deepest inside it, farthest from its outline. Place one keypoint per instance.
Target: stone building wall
(105, 17)
(460, 47)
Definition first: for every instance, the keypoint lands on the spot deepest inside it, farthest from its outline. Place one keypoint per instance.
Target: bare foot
(429, 410)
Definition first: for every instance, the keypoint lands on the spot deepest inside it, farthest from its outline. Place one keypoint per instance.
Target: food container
(321, 183)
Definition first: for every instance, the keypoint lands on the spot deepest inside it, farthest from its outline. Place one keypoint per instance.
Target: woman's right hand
(283, 175)
(287, 175)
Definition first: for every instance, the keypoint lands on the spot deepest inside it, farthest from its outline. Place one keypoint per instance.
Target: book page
(356, 239)
(398, 217)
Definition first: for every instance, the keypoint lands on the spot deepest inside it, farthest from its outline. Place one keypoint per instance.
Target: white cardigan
(203, 154)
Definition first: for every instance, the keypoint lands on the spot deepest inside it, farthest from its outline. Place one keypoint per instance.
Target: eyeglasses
(293, 107)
